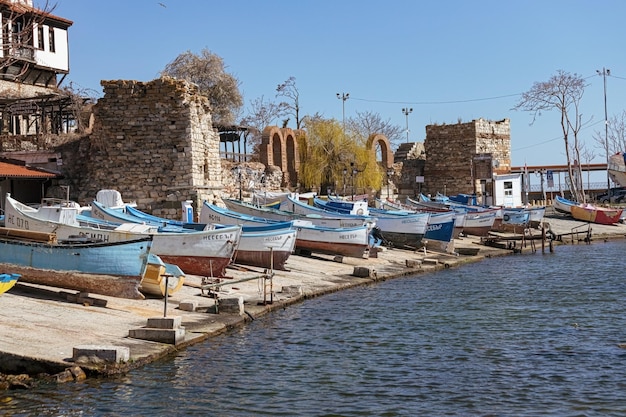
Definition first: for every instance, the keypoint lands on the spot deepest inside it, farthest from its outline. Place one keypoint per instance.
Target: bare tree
(207, 71)
(368, 123)
(289, 90)
(262, 113)
(616, 140)
(19, 23)
(561, 92)
(81, 100)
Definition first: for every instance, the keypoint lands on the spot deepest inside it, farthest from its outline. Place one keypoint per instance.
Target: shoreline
(41, 325)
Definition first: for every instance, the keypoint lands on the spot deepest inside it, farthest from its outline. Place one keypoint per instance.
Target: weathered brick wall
(152, 141)
(450, 150)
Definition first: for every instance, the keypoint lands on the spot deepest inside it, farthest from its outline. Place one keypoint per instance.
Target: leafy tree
(562, 92)
(289, 90)
(329, 153)
(207, 71)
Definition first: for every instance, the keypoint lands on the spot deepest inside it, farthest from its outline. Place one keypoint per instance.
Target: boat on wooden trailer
(108, 268)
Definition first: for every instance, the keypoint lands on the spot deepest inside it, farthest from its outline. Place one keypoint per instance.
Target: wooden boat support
(212, 288)
(577, 234)
(526, 238)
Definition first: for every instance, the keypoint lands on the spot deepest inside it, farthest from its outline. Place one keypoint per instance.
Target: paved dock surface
(39, 327)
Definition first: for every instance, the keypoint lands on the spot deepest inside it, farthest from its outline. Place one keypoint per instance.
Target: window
(508, 188)
(40, 37)
(51, 39)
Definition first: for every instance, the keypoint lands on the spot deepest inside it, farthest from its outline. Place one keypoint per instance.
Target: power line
(553, 139)
(434, 102)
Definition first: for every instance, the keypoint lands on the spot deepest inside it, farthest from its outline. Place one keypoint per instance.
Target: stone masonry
(152, 141)
(455, 155)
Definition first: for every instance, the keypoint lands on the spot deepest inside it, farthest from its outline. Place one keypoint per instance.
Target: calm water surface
(524, 335)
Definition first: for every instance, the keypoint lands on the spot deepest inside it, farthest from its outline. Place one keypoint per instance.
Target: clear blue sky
(446, 59)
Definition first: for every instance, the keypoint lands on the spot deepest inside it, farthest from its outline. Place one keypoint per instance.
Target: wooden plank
(28, 234)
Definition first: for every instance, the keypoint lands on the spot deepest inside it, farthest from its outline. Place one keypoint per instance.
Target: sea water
(521, 335)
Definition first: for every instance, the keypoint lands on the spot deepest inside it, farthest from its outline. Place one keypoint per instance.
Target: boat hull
(7, 281)
(597, 215)
(113, 269)
(206, 252)
(345, 241)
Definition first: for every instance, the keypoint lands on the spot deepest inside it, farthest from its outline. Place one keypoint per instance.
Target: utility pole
(604, 73)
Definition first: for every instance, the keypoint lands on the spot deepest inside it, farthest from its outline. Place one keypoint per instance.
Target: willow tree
(334, 160)
(562, 92)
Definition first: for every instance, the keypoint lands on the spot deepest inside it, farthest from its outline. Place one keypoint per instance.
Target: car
(617, 196)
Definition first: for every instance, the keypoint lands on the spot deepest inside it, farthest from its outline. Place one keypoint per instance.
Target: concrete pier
(42, 329)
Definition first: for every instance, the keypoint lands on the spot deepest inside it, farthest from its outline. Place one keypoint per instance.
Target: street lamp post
(406, 112)
(345, 171)
(354, 172)
(604, 73)
(343, 97)
(239, 177)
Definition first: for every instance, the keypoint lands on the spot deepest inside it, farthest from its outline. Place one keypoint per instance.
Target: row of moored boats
(112, 248)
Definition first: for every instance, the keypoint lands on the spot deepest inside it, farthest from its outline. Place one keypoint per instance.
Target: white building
(507, 190)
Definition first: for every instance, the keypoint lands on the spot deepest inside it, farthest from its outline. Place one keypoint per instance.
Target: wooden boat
(346, 241)
(563, 205)
(205, 253)
(7, 281)
(265, 246)
(161, 277)
(595, 214)
(514, 216)
(109, 268)
(405, 230)
(350, 207)
(287, 215)
(479, 223)
(459, 214)
(293, 205)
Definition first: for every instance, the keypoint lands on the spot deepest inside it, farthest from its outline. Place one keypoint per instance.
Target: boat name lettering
(433, 227)
(215, 217)
(17, 222)
(411, 221)
(97, 236)
(220, 236)
(348, 236)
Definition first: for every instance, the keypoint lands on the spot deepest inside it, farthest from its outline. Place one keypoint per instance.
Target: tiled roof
(20, 171)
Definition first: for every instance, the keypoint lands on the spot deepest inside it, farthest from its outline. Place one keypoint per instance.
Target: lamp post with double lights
(604, 73)
(343, 97)
(406, 112)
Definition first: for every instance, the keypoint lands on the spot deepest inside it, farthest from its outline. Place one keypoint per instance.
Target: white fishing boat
(346, 241)
(205, 253)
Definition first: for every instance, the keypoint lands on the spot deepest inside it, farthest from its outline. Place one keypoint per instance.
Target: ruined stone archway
(378, 139)
(279, 148)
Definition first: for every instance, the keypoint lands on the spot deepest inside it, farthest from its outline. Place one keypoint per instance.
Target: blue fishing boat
(113, 268)
(403, 231)
(346, 241)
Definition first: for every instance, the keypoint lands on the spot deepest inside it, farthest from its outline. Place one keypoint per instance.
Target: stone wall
(152, 141)
(451, 151)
